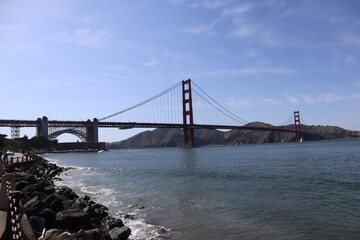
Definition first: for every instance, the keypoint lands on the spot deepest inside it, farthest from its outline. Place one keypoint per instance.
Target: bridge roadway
(129, 125)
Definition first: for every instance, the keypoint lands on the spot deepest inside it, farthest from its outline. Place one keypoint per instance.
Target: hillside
(169, 137)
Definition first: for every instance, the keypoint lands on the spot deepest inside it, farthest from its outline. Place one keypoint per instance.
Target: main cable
(235, 117)
(142, 103)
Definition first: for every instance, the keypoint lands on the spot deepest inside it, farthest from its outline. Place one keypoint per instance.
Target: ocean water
(308, 190)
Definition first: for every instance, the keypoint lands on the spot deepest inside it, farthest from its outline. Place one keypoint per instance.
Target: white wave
(96, 190)
(75, 178)
(144, 231)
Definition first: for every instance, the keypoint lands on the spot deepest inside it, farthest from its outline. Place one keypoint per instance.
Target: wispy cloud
(287, 99)
(179, 56)
(86, 37)
(151, 63)
(350, 60)
(351, 39)
(200, 29)
(292, 99)
(336, 19)
(252, 101)
(176, 2)
(323, 98)
(250, 71)
(245, 28)
(228, 12)
(211, 4)
(251, 53)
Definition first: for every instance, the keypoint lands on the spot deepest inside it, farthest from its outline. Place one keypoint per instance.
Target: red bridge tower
(297, 126)
(187, 114)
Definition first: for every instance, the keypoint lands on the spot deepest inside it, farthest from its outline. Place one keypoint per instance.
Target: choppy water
(308, 190)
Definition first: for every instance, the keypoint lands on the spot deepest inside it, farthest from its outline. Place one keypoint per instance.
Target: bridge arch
(81, 135)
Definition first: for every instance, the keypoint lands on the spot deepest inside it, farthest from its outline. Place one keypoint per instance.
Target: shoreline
(70, 151)
(57, 212)
(130, 212)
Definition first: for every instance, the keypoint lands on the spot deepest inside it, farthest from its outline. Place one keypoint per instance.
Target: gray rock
(37, 224)
(49, 215)
(54, 201)
(120, 233)
(73, 220)
(111, 223)
(56, 234)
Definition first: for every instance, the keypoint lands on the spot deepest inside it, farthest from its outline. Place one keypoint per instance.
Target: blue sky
(76, 60)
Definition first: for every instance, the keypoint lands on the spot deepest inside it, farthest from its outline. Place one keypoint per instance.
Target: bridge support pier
(42, 128)
(92, 131)
(187, 114)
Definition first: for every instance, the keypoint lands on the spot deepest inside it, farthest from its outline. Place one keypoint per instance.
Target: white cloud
(355, 96)
(351, 39)
(278, 70)
(237, 10)
(151, 63)
(350, 60)
(249, 71)
(86, 37)
(251, 53)
(232, 102)
(323, 98)
(200, 29)
(252, 101)
(179, 56)
(177, 2)
(270, 101)
(292, 99)
(211, 4)
(243, 28)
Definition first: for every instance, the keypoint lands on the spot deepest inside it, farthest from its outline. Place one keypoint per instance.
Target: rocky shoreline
(58, 212)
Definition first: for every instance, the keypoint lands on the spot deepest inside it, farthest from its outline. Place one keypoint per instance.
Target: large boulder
(49, 215)
(67, 192)
(54, 201)
(111, 223)
(94, 234)
(73, 220)
(38, 224)
(34, 206)
(120, 233)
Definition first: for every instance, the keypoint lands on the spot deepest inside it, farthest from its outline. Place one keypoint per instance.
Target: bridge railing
(20, 159)
(13, 220)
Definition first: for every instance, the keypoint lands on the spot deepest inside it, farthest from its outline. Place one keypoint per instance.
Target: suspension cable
(235, 117)
(143, 102)
(223, 112)
(287, 121)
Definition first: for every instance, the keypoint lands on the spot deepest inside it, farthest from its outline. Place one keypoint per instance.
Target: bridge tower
(92, 131)
(42, 128)
(188, 120)
(297, 126)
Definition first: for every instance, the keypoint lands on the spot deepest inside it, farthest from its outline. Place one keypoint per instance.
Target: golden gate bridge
(184, 105)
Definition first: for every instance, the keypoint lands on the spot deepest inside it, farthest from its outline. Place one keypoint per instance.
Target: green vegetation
(166, 137)
(26, 144)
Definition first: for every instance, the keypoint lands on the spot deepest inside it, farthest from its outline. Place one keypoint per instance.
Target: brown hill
(168, 137)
